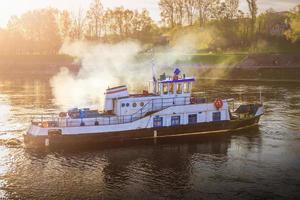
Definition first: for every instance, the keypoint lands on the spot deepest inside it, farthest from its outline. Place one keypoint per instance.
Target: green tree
(253, 12)
(95, 18)
(293, 33)
(35, 32)
(4, 42)
(272, 23)
(190, 9)
(65, 23)
(167, 12)
(179, 11)
(120, 23)
(15, 38)
(206, 9)
(78, 25)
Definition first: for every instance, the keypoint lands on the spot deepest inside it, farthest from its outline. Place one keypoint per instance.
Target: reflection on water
(262, 162)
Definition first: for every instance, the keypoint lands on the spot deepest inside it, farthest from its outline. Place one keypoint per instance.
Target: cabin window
(157, 121)
(123, 104)
(158, 89)
(165, 88)
(179, 88)
(175, 120)
(186, 87)
(142, 104)
(171, 88)
(216, 116)
(127, 104)
(192, 119)
(134, 105)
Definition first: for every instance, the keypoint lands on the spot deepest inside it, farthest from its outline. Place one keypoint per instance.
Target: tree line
(43, 31)
(231, 27)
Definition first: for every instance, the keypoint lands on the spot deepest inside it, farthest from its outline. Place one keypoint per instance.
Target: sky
(17, 7)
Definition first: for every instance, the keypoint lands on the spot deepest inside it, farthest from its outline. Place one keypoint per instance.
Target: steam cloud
(102, 65)
(109, 65)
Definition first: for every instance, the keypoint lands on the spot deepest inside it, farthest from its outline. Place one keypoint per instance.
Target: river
(259, 163)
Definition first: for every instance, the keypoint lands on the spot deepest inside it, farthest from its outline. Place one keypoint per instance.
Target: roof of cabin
(170, 80)
(121, 86)
(138, 95)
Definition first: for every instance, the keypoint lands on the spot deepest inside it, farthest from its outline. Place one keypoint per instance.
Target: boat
(168, 108)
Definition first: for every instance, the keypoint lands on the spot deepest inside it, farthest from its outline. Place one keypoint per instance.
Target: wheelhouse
(177, 86)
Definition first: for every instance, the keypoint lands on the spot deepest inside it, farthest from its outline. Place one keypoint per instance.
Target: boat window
(216, 116)
(171, 88)
(142, 104)
(192, 119)
(175, 120)
(165, 88)
(134, 105)
(157, 121)
(123, 104)
(179, 88)
(127, 104)
(186, 87)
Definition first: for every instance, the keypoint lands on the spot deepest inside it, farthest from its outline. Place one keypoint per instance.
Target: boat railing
(152, 105)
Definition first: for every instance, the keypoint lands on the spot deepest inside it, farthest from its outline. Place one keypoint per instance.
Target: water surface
(254, 164)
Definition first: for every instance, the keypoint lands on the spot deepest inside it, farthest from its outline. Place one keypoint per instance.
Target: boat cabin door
(114, 106)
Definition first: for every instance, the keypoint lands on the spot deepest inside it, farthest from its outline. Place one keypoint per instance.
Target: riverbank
(238, 66)
(27, 65)
(263, 73)
(245, 60)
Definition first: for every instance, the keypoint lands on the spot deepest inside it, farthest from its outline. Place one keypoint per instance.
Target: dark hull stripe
(172, 131)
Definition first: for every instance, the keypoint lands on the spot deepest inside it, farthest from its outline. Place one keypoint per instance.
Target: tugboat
(167, 109)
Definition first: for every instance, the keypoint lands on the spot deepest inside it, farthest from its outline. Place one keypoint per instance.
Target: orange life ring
(218, 103)
(45, 125)
(62, 114)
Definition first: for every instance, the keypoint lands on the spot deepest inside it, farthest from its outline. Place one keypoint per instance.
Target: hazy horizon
(18, 7)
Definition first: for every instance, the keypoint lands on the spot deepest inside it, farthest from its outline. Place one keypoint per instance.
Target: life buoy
(73, 115)
(45, 124)
(62, 114)
(218, 103)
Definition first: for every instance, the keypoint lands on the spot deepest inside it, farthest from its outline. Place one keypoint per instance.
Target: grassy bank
(213, 59)
(282, 60)
(258, 74)
(35, 66)
(217, 59)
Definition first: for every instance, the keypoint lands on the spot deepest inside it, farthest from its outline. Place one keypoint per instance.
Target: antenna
(260, 96)
(153, 71)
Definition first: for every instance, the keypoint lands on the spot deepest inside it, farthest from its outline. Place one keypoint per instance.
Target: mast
(260, 95)
(153, 72)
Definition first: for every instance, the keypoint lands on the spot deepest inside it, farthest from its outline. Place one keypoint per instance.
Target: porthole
(142, 104)
(123, 104)
(134, 105)
(127, 104)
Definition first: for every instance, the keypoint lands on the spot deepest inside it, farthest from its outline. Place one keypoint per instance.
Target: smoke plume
(102, 66)
(109, 65)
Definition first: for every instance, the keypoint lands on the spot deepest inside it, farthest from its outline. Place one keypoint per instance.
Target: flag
(177, 72)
